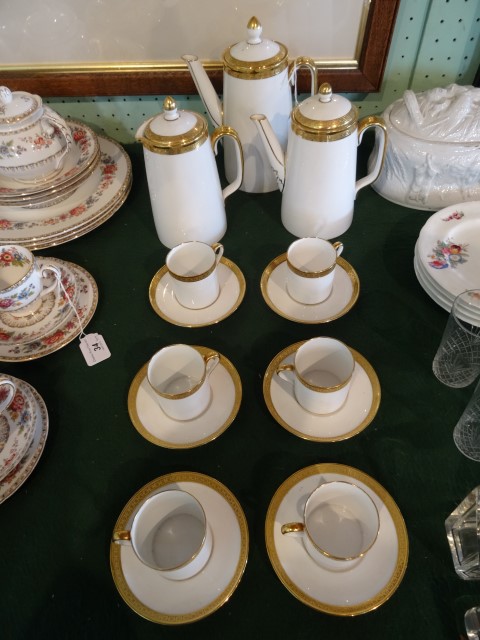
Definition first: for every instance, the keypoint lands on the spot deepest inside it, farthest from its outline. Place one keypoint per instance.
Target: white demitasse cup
(170, 533)
(311, 266)
(179, 376)
(321, 374)
(193, 268)
(21, 279)
(340, 524)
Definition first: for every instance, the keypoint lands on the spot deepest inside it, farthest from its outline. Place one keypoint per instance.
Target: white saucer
(64, 332)
(353, 417)
(346, 288)
(178, 602)
(354, 591)
(154, 425)
(232, 291)
(53, 311)
(17, 424)
(22, 471)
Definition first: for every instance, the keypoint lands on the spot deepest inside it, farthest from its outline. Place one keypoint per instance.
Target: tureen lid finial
(254, 31)
(5, 96)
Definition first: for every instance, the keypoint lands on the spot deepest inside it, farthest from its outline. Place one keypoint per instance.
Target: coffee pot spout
(205, 89)
(272, 146)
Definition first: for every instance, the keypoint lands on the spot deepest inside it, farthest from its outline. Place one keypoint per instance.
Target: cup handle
(211, 361)
(121, 537)
(45, 268)
(10, 393)
(285, 372)
(218, 250)
(338, 246)
(293, 527)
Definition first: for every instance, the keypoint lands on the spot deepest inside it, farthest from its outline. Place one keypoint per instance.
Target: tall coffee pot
(185, 192)
(256, 78)
(317, 174)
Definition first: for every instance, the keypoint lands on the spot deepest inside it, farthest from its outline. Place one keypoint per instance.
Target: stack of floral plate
(447, 255)
(93, 183)
(23, 431)
(61, 316)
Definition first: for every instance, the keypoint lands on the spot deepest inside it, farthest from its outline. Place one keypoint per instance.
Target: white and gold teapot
(256, 78)
(34, 139)
(187, 200)
(317, 174)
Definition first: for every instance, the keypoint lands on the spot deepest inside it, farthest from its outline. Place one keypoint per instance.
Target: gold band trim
(311, 274)
(313, 387)
(324, 130)
(255, 69)
(195, 278)
(181, 143)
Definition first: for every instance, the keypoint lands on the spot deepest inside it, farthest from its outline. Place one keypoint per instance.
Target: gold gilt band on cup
(195, 387)
(311, 274)
(198, 276)
(314, 387)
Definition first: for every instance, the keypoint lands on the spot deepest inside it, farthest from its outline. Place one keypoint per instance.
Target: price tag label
(94, 348)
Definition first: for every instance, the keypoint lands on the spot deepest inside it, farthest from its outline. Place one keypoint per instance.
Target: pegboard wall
(435, 43)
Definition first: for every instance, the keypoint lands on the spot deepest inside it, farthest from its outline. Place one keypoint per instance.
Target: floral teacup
(21, 279)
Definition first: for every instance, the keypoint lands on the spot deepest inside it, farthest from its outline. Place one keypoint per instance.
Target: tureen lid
(174, 130)
(255, 57)
(325, 116)
(16, 106)
(440, 114)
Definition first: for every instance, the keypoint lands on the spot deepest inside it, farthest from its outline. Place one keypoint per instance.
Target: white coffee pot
(34, 139)
(256, 78)
(185, 192)
(317, 174)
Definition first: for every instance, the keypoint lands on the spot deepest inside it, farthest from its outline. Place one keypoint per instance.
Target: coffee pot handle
(381, 144)
(226, 131)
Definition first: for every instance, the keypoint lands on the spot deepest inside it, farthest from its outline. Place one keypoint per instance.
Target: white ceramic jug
(317, 174)
(256, 78)
(185, 192)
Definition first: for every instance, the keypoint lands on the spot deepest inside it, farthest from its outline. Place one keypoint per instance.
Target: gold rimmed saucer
(345, 292)
(351, 592)
(154, 425)
(175, 602)
(232, 292)
(354, 416)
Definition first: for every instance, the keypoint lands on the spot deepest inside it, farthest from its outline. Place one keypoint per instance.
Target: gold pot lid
(256, 57)
(174, 130)
(325, 116)
(16, 106)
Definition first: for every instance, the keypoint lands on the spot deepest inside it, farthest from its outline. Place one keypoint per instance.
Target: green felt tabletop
(55, 531)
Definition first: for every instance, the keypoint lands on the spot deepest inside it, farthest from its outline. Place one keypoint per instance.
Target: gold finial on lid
(254, 23)
(169, 104)
(325, 92)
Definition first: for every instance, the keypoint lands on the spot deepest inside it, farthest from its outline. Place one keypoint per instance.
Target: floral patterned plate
(15, 479)
(92, 203)
(55, 309)
(65, 332)
(448, 247)
(17, 426)
(83, 154)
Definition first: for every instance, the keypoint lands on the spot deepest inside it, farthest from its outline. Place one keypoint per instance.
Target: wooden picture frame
(162, 78)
